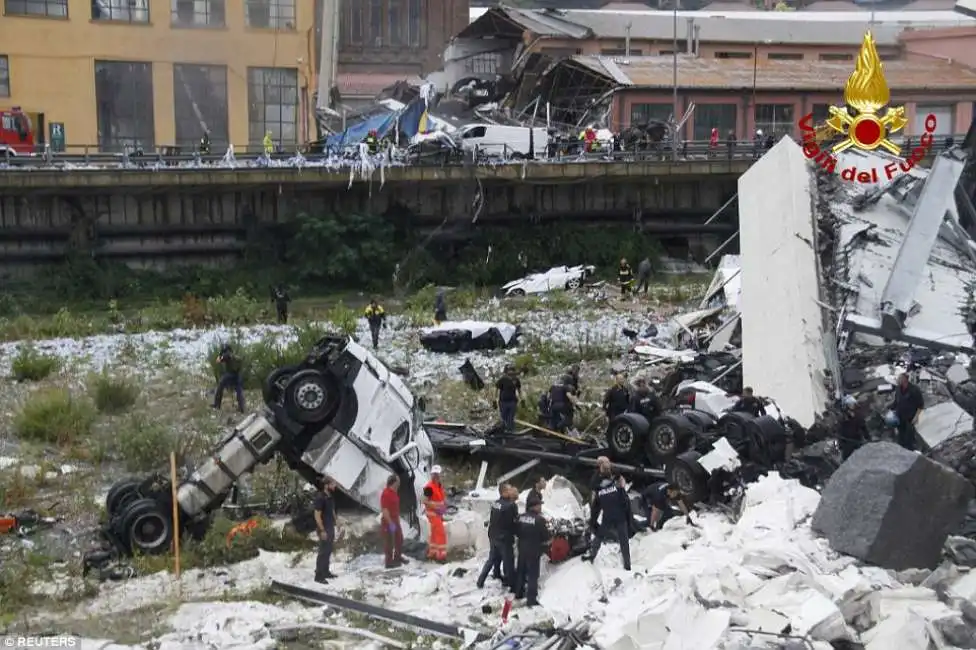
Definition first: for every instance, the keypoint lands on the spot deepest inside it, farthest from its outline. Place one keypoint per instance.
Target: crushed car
(558, 278)
(467, 336)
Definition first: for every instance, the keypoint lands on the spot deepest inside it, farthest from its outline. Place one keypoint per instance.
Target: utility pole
(674, 81)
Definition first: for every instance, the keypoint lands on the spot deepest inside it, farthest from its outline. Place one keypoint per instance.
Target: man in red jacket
(391, 532)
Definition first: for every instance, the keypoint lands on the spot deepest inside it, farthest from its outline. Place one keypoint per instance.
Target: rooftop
(730, 74)
(771, 27)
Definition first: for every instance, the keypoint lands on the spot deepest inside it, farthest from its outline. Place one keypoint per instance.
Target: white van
(510, 141)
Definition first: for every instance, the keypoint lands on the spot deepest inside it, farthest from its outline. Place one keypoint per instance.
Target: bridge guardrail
(82, 157)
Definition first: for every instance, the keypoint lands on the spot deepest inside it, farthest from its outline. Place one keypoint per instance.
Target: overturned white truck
(341, 413)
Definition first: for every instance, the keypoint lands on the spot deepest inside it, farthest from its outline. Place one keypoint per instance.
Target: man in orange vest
(435, 505)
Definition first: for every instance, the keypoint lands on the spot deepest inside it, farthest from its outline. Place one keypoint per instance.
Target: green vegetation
(112, 393)
(31, 365)
(54, 416)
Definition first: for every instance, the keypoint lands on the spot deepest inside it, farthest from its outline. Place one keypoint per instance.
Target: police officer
(610, 499)
(561, 404)
(617, 398)
(502, 526)
(440, 307)
(749, 403)
(644, 400)
(375, 317)
(281, 299)
(230, 377)
(625, 276)
(533, 535)
(853, 429)
(660, 500)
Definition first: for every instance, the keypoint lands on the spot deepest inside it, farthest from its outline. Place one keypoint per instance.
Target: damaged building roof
(824, 28)
(735, 74)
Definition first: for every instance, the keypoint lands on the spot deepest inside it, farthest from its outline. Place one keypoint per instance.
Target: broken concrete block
(892, 507)
(940, 579)
(895, 603)
(907, 632)
(957, 632)
(961, 551)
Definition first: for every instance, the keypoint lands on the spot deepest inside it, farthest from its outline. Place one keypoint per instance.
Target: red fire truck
(18, 133)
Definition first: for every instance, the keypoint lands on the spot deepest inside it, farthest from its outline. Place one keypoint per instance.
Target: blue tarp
(411, 116)
(355, 134)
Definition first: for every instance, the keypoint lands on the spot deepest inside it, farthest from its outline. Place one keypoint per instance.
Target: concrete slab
(943, 421)
(782, 324)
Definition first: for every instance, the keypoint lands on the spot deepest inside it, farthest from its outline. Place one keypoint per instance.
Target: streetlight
(674, 81)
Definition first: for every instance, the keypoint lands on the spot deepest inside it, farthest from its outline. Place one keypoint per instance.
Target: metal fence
(89, 156)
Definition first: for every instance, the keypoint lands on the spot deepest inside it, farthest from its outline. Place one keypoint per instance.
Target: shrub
(32, 365)
(236, 309)
(111, 393)
(343, 319)
(142, 444)
(53, 415)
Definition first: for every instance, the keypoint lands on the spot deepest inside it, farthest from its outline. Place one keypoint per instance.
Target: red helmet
(372, 132)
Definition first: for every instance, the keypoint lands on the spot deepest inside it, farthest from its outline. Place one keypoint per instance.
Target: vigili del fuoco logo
(866, 122)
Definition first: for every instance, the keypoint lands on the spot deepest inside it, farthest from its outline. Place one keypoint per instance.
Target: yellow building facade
(156, 73)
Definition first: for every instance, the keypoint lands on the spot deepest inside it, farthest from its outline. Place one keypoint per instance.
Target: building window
(198, 13)
(200, 105)
(784, 56)
(714, 116)
(560, 52)
(944, 118)
(641, 114)
(123, 11)
(834, 56)
(4, 76)
(273, 104)
(271, 14)
(666, 52)
(774, 119)
(379, 23)
(483, 63)
(733, 55)
(124, 102)
(620, 51)
(47, 8)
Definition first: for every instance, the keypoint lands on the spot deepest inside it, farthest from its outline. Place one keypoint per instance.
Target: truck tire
(274, 384)
(738, 429)
(120, 495)
(767, 441)
(703, 420)
(626, 436)
(668, 434)
(690, 477)
(311, 397)
(146, 528)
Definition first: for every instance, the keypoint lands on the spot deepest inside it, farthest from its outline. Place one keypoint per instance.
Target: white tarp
(782, 332)
(477, 328)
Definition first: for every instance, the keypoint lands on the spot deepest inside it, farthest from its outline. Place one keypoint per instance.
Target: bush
(32, 365)
(236, 309)
(142, 445)
(53, 415)
(260, 358)
(111, 393)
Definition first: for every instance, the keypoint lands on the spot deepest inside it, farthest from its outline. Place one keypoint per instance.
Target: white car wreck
(558, 278)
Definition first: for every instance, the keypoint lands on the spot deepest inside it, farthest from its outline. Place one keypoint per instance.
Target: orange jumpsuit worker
(436, 505)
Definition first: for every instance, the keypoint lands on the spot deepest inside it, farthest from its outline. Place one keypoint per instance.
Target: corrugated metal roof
(733, 74)
(766, 27)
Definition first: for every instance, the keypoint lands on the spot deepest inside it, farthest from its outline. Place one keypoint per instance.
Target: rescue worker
(713, 138)
(573, 372)
(757, 143)
(731, 142)
(502, 525)
(907, 405)
(268, 144)
(231, 376)
(325, 524)
(589, 139)
(375, 317)
(391, 530)
(509, 393)
(533, 535)
(853, 430)
(643, 276)
(537, 488)
(609, 499)
(435, 504)
(281, 299)
(749, 403)
(617, 398)
(372, 142)
(644, 400)
(562, 403)
(660, 500)
(205, 143)
(625, 277)
(440, 307)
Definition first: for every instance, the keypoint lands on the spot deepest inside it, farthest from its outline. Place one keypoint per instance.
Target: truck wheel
(690, 477)
(147, 528)
(668, 434)
(121, 495)
(626, 436)
(274, 384)
(574, 283)
(735, 427)
(311, 397)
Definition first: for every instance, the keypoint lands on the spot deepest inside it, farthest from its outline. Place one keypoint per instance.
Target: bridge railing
(82, 156)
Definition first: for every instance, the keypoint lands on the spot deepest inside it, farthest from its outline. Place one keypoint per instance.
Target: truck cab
(17, 134)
